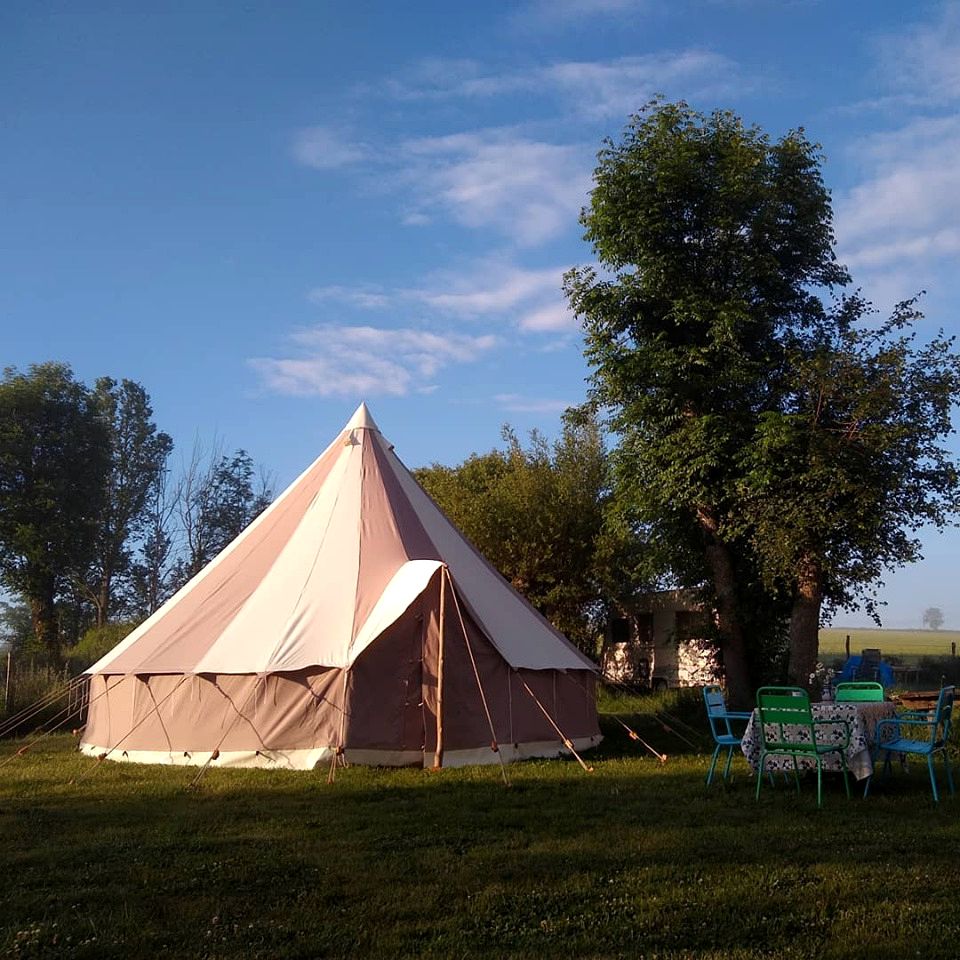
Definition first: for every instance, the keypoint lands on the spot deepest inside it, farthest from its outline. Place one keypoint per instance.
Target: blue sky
(268, 212)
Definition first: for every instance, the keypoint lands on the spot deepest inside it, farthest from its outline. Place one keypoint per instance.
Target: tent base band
(308, 759)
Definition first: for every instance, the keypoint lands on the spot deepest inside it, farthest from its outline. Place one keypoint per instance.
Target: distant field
(900, 643)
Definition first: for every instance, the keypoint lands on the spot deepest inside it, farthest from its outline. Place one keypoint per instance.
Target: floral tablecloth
(862, 718)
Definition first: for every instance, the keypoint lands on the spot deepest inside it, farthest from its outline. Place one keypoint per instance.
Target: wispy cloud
(494, 289)
(528, 190)
(326, 148)
(489, 287)
(553, 13)
(594, 89)
(367, 298)
(922, 62)
(912, 192)
(898, 226)
(347, 361)
(516, 403)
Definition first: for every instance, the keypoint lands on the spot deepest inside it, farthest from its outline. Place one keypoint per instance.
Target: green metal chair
(926, 736)
(788, 729)
(859, 691)
(723, 735)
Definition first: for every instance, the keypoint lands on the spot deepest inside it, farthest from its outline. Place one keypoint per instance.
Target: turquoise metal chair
(859, 691)
(788, 729)
(926, 735)
(721, 729)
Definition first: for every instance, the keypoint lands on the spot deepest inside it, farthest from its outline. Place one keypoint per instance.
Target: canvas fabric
(319, 628)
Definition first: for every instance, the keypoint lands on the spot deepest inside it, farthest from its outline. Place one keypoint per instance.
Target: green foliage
(96, 642)
(16, 626)
(53, 464)
(540, 514)
(851, 463)
(715, 240)
(137, 454)
(785, 451)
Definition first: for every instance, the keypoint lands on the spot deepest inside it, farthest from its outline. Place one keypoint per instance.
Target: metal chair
(859, 691)
(788, 729)
(927, 736)
(723, 735)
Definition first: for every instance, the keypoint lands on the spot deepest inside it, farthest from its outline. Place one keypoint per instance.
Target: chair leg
(819, 783)
(796, 775)
(763, 758)
(843, 767)
(946, 763)
(713, 763)
(933, 778)
(726, 769)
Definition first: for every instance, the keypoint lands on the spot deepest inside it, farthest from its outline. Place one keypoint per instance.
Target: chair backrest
(870, 658)
(859, 691)
(783, 707)
(943, 716)
(716, 705)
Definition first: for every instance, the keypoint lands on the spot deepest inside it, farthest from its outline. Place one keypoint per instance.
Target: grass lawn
(637, 859)
(900, 643)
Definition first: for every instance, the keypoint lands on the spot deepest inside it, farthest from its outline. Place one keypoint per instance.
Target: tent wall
(382, 710)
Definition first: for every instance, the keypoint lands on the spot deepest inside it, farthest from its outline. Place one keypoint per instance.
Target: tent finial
(362, 419)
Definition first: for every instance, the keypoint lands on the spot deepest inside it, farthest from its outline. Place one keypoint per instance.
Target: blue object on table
(723, 735)
(926, 736)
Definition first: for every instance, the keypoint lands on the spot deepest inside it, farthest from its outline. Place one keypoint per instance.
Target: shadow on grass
(636, 858)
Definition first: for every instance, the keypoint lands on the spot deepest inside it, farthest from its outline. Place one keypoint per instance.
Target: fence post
(6, 686)
(953, 648)
(848, 646)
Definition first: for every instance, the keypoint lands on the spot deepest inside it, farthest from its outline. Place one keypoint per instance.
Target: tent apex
(362, 419)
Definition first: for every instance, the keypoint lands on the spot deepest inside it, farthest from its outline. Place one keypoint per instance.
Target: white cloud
(490, 287)
(528, 190)
(922, 63)
(550, 318)
(908, 205)
(367, 298)
(516, 403)
(547, 13)
(345, 361)
(594, 89)
(325, 148)
(898, 226)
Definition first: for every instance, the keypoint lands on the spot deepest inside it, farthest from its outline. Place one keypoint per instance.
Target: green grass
(637, 859)
(909, 644)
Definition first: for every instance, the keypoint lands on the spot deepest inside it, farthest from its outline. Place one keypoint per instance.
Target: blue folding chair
(926, 735)
(723, 735)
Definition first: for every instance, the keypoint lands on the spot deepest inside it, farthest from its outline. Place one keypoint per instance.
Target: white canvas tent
(350, 618)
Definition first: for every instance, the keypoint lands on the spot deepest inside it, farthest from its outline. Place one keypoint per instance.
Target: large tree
(54, 458)
(541, 514)
(138, 454)
(713, 240)
(842, 474)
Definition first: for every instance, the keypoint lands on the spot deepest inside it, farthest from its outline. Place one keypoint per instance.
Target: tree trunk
(44, 619)
(805, 623)
(101, 600)
(720, 563)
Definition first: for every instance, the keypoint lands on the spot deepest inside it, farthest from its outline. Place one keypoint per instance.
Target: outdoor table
(862, 718)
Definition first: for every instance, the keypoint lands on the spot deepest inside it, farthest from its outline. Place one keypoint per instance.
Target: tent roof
(338, 557)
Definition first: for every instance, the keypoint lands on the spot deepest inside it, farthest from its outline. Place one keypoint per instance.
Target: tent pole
(438, 756)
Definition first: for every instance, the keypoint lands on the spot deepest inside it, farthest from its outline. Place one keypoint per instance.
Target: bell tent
(350, 618)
